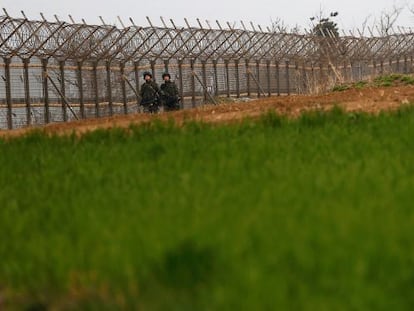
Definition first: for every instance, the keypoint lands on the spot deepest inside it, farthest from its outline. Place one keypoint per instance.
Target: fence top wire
(82, 42)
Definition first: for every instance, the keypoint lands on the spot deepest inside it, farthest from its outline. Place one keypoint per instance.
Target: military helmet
(147, 73)
(166, 74)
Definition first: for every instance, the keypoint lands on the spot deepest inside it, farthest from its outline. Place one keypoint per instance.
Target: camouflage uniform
(149, 93)
(170, 95)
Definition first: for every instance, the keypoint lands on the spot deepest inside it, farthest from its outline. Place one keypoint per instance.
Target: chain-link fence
(58, 71)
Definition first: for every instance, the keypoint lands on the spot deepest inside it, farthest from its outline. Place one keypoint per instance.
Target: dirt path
(371, 100)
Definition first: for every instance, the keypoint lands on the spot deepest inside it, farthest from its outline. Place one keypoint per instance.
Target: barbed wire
(79, 41)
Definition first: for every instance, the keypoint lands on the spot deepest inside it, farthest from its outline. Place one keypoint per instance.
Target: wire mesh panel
(131, 91)
(18, 112)
(105, 90)
(116, 90)
(410, 64)
(197, 88)
(209, 80)
(262, 77)
(87, 78)
(272, 81)
(240, 77)
(219, 77)
(56, 106)
(395, 65)
(36, 92)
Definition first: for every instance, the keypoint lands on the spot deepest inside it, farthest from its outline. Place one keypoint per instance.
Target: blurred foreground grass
(271, 214)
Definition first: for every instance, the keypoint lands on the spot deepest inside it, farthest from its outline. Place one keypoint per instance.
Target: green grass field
(270, 214)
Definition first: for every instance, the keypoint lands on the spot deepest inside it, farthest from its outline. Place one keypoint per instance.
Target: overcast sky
(352, 13)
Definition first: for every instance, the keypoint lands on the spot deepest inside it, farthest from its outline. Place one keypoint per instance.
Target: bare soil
(371, 100)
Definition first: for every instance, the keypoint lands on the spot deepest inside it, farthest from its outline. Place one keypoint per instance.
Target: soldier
(170, 94)
(150, 94)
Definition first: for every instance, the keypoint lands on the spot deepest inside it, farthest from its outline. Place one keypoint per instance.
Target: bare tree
(367, 25)
(411, 8)
(388, 19)
(278, 25)
(296, 29)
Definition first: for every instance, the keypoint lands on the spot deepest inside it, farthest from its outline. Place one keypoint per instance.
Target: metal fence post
(278, 78)
(345, 71)
(321, 75)
(313, 77)
(152, 63)
(287, 77)
(329, 72)
(95, 87)
(236, 63)
(109, 88)
(226, 66)
(80, 88)
(7, 62)
(204, 75)
(351, 71)
(123, 87)
(297, 77)
(26, 62)
(248, 77)
(180, 77)
(374, 67)
(136, 73)
(45, 90)
(390, 65)
(405, 64)
(258, 78)
(269, 88)
(137, 84)
(193, 103)
(63, 89)
(304, 77)
(216, 85)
